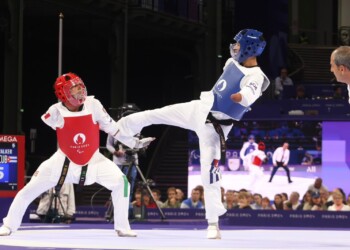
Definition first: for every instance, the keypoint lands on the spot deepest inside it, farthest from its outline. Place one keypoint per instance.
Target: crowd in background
(316, 198)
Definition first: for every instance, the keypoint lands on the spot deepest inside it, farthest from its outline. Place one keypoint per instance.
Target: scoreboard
(11, 164)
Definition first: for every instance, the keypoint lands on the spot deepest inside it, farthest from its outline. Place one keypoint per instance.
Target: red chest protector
(257, 161)
(79, 138)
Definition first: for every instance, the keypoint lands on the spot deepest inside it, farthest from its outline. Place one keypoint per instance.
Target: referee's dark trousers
(274, 170)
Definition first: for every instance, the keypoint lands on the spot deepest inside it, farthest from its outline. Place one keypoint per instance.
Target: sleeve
(348, 92)
(251, 89)
(274, 156)
(110, 144)
(53, 118)
(107, 124)
(262, 155)
(241, 153)
(287, 157)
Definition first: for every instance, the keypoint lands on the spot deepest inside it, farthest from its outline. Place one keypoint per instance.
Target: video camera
(127, 109)
(142, 184)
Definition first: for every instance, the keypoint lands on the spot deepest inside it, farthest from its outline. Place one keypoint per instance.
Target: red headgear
(261, 146)
(63, 86)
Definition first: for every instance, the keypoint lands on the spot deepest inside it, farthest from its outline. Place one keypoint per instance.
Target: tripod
(132, 154)
(52, 215)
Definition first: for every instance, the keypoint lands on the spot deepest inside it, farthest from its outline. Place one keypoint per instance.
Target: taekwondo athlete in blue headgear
(212, 116)
(247, 147)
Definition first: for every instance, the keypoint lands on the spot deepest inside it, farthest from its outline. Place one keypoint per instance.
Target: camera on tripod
(126, 109)
(56, 205)
(142, 184)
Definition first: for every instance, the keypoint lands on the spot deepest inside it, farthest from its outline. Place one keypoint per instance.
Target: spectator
(157, 195)
(284, 197)
(201, 189)
(142, 200)
(294, 201)
(135, 205)
(179, 195)
(277, 202)
(326, 197)
(244, 200)
(281, 81)
(231, 200)
(171, 202)
(306, 202)
(287, 205)
(317, 185)
(147, 200)
(257, 201)
(345, 37)
(300, 93)
(317, 203)
(265, 204)
(338, 202)
(330, 199)
(193, 201)
(51, 208)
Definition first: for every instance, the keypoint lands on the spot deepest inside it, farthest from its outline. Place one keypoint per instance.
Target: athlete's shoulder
(90, 98)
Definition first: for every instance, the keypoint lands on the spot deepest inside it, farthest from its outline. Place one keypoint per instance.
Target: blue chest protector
(226, 85)
(249, 149)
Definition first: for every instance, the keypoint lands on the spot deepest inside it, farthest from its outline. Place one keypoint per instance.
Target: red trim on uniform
(47, 115)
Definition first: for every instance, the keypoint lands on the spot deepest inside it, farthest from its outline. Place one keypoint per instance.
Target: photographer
(124, 158)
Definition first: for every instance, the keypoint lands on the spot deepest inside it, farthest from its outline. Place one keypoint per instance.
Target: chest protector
(257, 161)
(226, 85)
(249, 149)
(79, 138)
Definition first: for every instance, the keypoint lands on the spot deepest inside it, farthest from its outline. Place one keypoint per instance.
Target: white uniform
(255, 159)
(100, 169)
(245, 150)
(192, 115)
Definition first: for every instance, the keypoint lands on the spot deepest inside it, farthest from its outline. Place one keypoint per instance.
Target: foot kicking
(213, 231)
(144, 142)
(126, 233)
(4, 231)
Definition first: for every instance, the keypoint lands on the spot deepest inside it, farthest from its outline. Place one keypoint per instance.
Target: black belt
(82, 178)
(64, 175)
(216, 123)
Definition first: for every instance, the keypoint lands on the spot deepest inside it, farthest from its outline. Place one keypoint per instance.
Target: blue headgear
(252, 43)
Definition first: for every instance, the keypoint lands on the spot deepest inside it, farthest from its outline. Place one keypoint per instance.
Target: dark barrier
(265, 218)
(237, 217)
